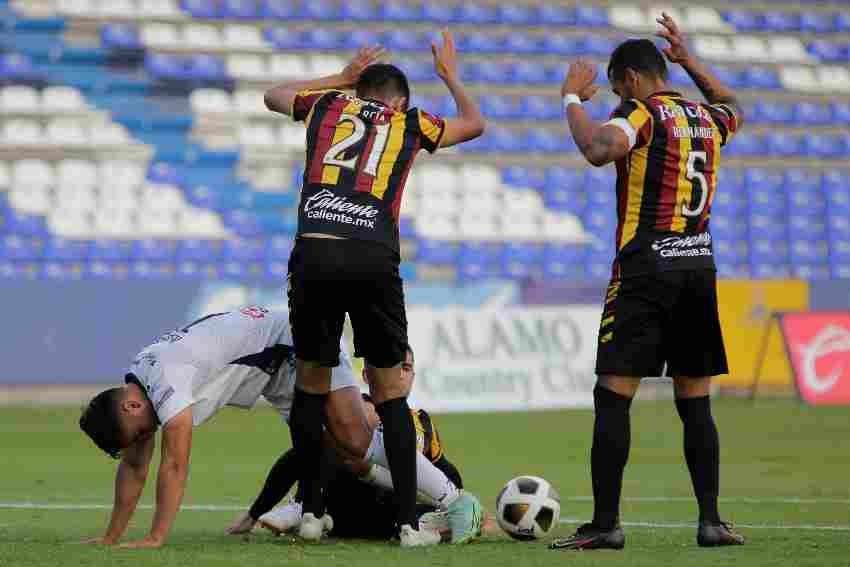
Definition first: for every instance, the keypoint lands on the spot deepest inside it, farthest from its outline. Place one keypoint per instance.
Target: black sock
(280, 479)
(306, 424)
(400, 444)
(608, 456)
(702, 453)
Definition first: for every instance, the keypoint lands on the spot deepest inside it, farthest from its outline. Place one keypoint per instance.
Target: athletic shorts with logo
(666, 319)
(329, 278)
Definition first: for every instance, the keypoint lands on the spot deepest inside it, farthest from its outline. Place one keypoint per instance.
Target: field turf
(784, 476)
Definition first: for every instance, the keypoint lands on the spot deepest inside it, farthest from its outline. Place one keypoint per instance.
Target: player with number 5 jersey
(660, 312)
(360, 148)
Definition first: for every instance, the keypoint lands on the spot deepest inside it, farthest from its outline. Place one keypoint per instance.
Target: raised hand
(365, 56)
(677, 52)
(579, 80)
(445, 56)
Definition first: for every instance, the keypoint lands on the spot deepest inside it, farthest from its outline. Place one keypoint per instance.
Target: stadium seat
(827, 51)
(745, 20)
(478, 226)
(19, 99)
(160, 35)
(517, 15)
(401, 11)
(787, 50)
(121, 173)
(116, 8)
(749, 48)
(249, 103)
(556, 15)
(781, 21)
(436, 252)
(28, 173)
(22, 133)
(120, 37)
(5, 179)
(817, 22)
(240, 9)
(159, 8)
(714, 48)
(783, 145)
(201, 9)
(520, 260)
(760, 78)
(210, 101)
(244, 37)
(801, 79)
(811, 113)
(153, 250)
(629, 17)
(82, 198)
(773, 112)
(561, 227)
(283, 66)
(703, 19)
(833, 78)
(15, 67)
(591, 16)
(19, 248)
(30, 200)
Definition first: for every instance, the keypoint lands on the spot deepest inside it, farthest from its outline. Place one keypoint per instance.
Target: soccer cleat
(417, 538)
(588, 536)
(465, 517)
(283, 518)
(437, 521)
(714, 535)
(312, 528)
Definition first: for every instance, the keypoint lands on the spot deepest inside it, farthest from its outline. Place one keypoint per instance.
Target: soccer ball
(528, 508)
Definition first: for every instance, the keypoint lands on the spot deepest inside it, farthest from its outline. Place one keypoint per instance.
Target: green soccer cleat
(465, 518)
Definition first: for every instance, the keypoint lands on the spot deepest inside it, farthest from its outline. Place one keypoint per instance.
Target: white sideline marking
(680, 525)
(732, 500)
(235, 508)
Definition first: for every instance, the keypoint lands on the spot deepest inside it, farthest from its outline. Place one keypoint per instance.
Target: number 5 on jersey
(694, 172)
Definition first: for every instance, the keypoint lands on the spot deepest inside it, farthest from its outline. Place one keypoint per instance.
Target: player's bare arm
(469, 123)
(281, 98)
(171, 478)
(129, 482)
(599, 143)
(709, 85)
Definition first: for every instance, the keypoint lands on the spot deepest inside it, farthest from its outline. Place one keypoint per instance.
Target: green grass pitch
(783, 465)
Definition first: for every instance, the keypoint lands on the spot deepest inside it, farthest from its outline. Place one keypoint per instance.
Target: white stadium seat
(119, 198)
(787, 49)
(157, 224)
(79, 198)
(59, 99)
(656, 10)
(523, 202)
(19, 99)
(161, 197)
(115, 224)
(249, 102)
(523, 227)
(22, 132)
(160, 35)
(410, 205)
(248, 67)
(159, 8)
(120, 173)
(713, 47)
(437, 227)
(563, 227)
(627, 16)
(202, 36)
(76, 173)
(5, 176)
(282, 66)
(200, 223)
(112, 134)
(116, 8)
(478, 226)
(210, 101)
(70, 224)
(293, 136)
(438, 176)
(30, 200)
(257, 135)
(479, 175)
(480, 199)
(324, 65)
(833, 78)
(438, 201)
(246, 37)
(75, 7)
(703, 18)
(33, 173)
(749, 48)
(802, 79)
(67, 132)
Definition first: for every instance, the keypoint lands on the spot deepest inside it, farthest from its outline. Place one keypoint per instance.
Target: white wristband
(571, 99)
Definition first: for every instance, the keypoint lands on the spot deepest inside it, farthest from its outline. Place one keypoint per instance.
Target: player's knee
(626, 386)
(691, 387)
(352, 433)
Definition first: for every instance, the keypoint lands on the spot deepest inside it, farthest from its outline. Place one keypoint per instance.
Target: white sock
(431, 482)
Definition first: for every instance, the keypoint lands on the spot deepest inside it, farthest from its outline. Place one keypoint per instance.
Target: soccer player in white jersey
(182, 380)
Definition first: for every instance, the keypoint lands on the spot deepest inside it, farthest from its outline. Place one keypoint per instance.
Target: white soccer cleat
(282, 519)
(437, 521)
(418, 538)
(312, 528)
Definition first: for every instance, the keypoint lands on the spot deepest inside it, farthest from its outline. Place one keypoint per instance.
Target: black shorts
(329, 278)
(667, 317)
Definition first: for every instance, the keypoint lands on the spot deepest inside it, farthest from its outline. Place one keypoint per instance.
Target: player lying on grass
(185, 377)
(356, 495)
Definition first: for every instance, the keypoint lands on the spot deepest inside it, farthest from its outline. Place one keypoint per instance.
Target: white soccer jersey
(225, 359)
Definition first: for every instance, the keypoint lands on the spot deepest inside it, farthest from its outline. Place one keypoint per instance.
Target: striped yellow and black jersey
(666, 184)
(427, 438)
(359, 155)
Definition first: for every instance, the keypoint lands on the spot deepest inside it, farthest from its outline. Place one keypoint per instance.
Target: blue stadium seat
(807, 251)
(729, 227)
(153, 250)
(591, 16)
(120, 36)
(15, 247)
(784, 145)
(557, 44)
(600, 221)
(734, 252)
(436, 252)
(61, 249)
(521, 260)
(556, 15)
(355, 39)
(477, 261)
(841, 113)
(543, 141)
(108, 250)
(730, 76)
(321, 10)
(516, 14)
(812, 113)
(278, 248)
(359, 10)
(417, 70)
(841, 21)
(827, 51)
(781, 21)
(201, 8)
(767, 225)
(166, 67)
(406, 228)
(768, 250)
(24, 224)
(529, 72)
(472, 13)
(808, 225)
(540, 108)
(521, 43)
(745, 20)
(561, 198)
(817, 22)
(486, 72)
(759, 78)
(601, 108)
(746, 144)
(825, 146)
(320, 38)
(496, 106)
(277, 271)
(437, 12)
(284, 38)
(198, 251)
(64, 271)
(279, 9)
(773, 112)
(157, 271)
(839, 250)
(240, 9)
(770, 271)
(480, 42)
(596, 45)
(401, 11)
(243, 250)
(18, 68)
(404, 40)
(166, 173)
(599, 184)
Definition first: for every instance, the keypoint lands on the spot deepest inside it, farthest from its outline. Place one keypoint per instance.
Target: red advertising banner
(818, 346)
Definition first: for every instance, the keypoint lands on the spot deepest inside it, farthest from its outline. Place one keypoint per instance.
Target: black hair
(409, 349)
(100, 421)
(367, 398)
(640, 55)
(384, 80)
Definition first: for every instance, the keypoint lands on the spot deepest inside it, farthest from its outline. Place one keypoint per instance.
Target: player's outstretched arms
(709, 85)
(171, 478)
(281, 98)
(599, 143)
(469, 123)
(129, 482)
